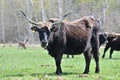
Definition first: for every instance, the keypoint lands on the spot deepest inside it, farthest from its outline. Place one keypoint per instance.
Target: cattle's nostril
(44, 44)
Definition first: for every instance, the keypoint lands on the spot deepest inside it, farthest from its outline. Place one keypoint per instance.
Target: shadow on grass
(39, 74)
(15, 75)
(112, 58)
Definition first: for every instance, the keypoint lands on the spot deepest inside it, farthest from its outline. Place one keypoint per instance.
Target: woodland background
(14, 27)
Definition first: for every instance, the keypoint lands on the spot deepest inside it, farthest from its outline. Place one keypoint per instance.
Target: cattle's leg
(106, 48)
(111, 51)
(72, 56)
(96, 57)
(87, 56)
(67, 55)
(58, 59)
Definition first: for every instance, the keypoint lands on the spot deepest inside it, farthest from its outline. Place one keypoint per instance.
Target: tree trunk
(50, 11)
(29, 11)
(2, 22)
(42, 10)
(60, 6)
(18, 30)
(105, 8)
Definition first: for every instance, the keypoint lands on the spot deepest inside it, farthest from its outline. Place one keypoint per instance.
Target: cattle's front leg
(106, 48)
(58, 64)
(87, 56)
(111, 51)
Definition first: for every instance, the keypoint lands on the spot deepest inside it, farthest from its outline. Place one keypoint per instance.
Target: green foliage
(36, 6)
(35, 64)
(83, 2)
(47, 4)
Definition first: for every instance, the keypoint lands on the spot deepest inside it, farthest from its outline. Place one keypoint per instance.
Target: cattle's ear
(34, 28)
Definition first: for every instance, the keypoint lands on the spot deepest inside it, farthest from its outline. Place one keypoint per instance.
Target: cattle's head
(105, 35)
(103, 38)
(43, 28)
(43, 34)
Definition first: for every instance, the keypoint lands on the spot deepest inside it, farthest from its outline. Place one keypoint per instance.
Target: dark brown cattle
(80, 36)
(113, 43)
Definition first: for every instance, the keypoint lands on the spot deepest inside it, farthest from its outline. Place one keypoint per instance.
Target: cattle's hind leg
(87, 56)
(95, 50)
(96, 57)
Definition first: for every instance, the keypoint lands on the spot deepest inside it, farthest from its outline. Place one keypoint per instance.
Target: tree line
(14, 27)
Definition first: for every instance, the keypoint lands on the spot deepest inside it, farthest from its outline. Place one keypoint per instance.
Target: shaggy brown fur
(73, 38)
(80, 36)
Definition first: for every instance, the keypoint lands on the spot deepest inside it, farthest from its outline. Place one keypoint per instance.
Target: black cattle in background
(102, 38)
(113, 43)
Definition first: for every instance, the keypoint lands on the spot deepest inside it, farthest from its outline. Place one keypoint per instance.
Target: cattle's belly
(74, 49)
(73, 52)
(115, 46)
(74, 46)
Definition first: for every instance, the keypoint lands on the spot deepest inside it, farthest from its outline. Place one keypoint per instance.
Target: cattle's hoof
(103, 56)
(97, 71)
(85, 72)
(59, 74)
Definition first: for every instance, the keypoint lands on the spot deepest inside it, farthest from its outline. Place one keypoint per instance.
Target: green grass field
(35, 64)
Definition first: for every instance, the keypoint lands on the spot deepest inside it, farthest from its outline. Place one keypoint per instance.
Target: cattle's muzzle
(44, 44)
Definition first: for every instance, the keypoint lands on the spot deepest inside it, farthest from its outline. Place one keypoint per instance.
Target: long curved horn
(66, 14)
(32, 22)
(63, 17)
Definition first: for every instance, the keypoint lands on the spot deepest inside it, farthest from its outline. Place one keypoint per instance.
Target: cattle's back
(72, 36)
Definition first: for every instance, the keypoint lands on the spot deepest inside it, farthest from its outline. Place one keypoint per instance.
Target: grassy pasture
(35, 64)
